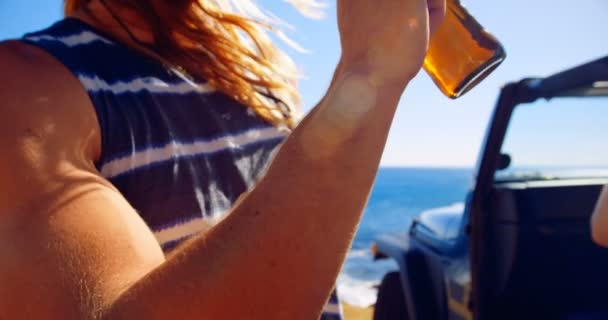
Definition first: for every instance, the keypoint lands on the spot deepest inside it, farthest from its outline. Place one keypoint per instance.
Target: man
(103, 146)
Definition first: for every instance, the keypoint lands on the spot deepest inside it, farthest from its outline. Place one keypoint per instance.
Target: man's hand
(388, 38)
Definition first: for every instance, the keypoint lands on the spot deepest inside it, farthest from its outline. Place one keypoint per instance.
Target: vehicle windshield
(563, 138)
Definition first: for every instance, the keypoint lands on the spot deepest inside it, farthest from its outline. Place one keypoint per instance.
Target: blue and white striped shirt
(180, 152)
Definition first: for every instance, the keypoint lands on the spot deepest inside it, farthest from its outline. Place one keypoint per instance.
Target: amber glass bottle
(461, 52)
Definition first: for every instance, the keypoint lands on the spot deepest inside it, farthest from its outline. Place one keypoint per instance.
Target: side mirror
(504, 161)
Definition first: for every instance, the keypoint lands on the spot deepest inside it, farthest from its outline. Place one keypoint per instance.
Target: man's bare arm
(276, 256)
(72, 247)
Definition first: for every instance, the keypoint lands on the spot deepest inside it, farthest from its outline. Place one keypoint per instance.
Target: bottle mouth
(479, 74)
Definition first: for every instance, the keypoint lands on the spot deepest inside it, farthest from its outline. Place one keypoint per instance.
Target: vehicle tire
(390, 304)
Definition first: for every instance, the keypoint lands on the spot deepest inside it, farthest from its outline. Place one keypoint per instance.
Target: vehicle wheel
(390, 304)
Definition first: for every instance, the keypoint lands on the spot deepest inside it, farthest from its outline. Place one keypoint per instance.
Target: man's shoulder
(18, 55)
(27, 71)
(37, 91)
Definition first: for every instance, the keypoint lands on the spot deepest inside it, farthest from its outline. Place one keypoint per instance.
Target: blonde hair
(226, 43)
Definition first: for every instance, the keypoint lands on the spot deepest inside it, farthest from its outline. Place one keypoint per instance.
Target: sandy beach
(357, 313)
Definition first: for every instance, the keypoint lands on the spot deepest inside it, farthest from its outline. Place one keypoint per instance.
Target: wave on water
(456, 207)
(358, 282)
(359, 293)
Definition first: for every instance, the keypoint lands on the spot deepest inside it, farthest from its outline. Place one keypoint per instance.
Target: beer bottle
(461, 52)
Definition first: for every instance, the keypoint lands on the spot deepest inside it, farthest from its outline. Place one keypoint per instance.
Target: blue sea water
(399, 194)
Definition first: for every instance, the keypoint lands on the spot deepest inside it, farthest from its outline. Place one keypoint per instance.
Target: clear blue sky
(540, 36)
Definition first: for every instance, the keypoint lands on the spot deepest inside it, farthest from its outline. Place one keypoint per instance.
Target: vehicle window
(562, 138)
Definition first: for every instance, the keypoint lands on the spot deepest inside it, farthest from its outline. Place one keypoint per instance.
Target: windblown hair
(226, 43)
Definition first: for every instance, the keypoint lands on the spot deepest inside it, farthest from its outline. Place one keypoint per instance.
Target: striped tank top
(180, 152)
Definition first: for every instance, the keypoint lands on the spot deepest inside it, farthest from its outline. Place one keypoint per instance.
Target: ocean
(399, 194)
